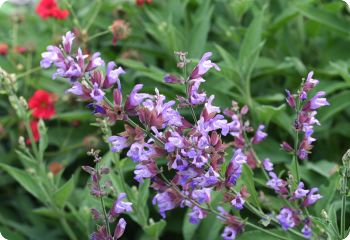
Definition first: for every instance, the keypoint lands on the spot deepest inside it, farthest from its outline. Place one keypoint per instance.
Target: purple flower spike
(120, 228)
(203, 66)
(267, 164)
(165, 201)
(316, 102)
(259, 135)
(67, 42)
(229, 233)
(120, 207)
(311, 198)
(97, 94)
(238, 202)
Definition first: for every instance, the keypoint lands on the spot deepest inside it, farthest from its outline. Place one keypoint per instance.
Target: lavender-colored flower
(97, 94)
(259, 135)
(268, 165)
(238, 201)
(101, 234)
(209, 107)
(165, 202)
(310, 82)
(179, 163)
(229, 233)
(76, 89)
(316, 102)
(135, 98)
(197, 215)
(276, 183)
(118, 143)
(196, 97)
(144, 171)
(95, 61)
(312, 197)
(119, 229)
(201, 195)
(306, 231)
(67, 42)
(112, 75)
(234, 169)
(286, 218)
(140, 152)
(239, 157)
(300, 192)
(52, 55)
(203, 66)
(174, 141)
(120, 207)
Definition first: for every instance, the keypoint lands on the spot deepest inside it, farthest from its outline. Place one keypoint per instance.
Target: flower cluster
(306, 111)
(291, 217)
(50, 9)
(99, 190)
(155, 128)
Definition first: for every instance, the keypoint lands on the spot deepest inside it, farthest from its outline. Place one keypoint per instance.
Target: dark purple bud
(95, 214)
(170, 78)
(89, 169)
(286, 147)
(290, 99)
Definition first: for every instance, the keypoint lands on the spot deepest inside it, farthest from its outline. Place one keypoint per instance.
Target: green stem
(343, 209)
(28, 72)
(98, 35)
(103, 203)
(277, 236)
(31, 138)
(94, 15)
(68, 229)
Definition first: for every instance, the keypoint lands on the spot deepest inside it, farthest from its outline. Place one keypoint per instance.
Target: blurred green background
(262, 47)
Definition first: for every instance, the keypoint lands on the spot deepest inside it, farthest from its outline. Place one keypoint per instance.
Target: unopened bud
(21, 142)
(23, 102)
(324, 214)
(346, 160)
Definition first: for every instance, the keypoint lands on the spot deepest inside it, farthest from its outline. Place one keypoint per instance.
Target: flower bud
(346, 160)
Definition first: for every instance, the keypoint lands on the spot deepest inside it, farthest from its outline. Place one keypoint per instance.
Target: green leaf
(155, 229)
(257, 234)
(44, 141)
(75, 115)
(338, 103)
(62, 194)
(325, 18)
(248, 181)
(251, 46)
(188, 229)
(28, 182)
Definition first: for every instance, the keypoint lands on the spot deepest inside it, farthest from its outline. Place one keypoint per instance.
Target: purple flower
(118, 143)
(310, 82)
(259, 135)
(67, 42)
(165, 202)
(300, 192)
(97, 94)
(174, 141)
(143, 171)
(306, 231)
(238, 202)
(135, 98)
(312, 197)
(120, 207)
(140, 152)
(95, 62)
(229, 233)
(276, 183)
(196, 97)
(52, 55)
(197, 214)
(203, 66)
(112, 76)
(234, 169)
(179, 163)
(209, 107)
(119, 229)
(76, 89)
(316, 102)
(201, 195)
(286, 218)
(239, 157)
(267, 164)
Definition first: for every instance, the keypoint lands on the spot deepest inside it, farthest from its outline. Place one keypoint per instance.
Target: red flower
(55, 167)
(35, 131)
(142, 2)
(42, 104)
(3, 49)
(49, 8)
(19, 49)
